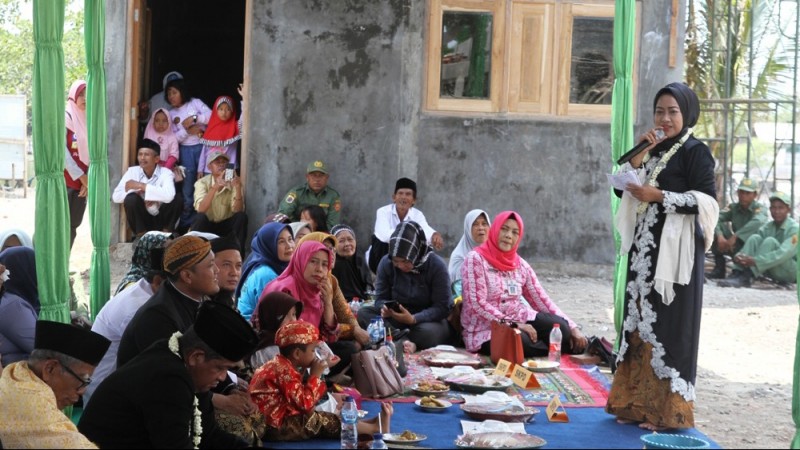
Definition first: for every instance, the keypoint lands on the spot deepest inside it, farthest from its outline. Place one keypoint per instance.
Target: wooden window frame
(539, 28)
(437, 9)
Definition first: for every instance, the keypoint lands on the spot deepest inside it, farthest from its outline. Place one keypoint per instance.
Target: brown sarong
(638, 395)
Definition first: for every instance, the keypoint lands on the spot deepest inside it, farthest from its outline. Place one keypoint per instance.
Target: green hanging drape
(49, 141)
(621, 129)
(796, 384)
(99, 197)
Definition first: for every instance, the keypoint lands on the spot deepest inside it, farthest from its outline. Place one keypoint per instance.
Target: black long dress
(660, 342)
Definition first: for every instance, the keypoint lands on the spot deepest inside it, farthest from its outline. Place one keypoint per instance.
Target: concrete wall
(343, 81)
(115, 65)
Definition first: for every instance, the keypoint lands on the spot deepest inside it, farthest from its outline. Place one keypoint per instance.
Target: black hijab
(689, 105)
(22, 281)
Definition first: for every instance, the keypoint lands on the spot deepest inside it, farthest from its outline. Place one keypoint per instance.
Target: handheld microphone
(638, 148)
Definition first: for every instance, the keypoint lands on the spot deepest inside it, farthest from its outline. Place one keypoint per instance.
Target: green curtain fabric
(796, 384)
(49, 141)
(99, 193)
(621, 129)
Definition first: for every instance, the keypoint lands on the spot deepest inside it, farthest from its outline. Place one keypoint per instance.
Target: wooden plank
(673, 35)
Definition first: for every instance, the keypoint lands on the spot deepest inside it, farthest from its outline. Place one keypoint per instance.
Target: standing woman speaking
(666, 224)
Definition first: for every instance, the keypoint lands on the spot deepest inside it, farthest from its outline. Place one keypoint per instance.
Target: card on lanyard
(512, 288)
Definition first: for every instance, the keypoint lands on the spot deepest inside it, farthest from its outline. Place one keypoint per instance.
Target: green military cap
(782, 196)
(748, 185)
(317, 166)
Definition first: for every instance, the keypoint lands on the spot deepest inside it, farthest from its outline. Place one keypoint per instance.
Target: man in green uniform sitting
(771, 251)
(736, 224)
(315, 191)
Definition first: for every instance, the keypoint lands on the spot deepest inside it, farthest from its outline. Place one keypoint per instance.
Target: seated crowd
(202, 347)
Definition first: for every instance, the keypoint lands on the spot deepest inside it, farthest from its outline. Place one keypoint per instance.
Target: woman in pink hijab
(76, 156)
(305, 278)
(497, 284)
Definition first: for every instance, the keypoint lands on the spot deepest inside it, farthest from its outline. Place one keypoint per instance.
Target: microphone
(639, 147)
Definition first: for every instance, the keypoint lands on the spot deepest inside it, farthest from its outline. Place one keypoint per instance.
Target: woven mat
(576, 385)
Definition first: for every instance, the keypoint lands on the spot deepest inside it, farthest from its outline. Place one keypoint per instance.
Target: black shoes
(719, 268)
(739, 278)
(717, 274)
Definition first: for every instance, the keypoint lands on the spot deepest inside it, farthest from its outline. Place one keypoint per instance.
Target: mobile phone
(229, 173)
(394, 305)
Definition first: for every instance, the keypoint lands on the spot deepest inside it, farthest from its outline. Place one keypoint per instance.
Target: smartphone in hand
(394, 305)
(229, 172)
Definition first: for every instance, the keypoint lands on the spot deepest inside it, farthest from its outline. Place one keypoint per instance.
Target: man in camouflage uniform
(315, 191)
(772, 251)
(736, 224)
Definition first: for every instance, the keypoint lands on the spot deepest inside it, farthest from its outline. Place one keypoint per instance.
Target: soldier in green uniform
(315, 191)
(737, 222)
(772, 251)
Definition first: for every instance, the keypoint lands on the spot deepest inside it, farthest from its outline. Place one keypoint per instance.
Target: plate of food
(428, 387)
(541, 365)
(450, 358)
(498, 440)
(502, 412)
(432, 404)
(479, 382)
(406, 437)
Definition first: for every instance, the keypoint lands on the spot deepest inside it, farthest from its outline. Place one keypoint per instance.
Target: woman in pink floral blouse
(498, 284)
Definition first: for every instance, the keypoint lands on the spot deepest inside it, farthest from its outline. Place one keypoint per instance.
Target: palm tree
(738, 50)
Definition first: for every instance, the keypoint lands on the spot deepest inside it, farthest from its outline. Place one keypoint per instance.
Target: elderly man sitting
(33, 392)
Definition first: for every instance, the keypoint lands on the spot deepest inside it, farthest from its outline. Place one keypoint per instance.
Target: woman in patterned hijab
(140, 263)
(412, 288)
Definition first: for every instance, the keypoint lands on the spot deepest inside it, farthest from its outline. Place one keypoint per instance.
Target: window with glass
(552, 57)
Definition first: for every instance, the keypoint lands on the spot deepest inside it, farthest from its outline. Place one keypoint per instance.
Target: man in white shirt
(388, 217)
(118, 312)
(148, 193)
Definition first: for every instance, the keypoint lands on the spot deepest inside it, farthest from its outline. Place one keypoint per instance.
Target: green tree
(16, 40)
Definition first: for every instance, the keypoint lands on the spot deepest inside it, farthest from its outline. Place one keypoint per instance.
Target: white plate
(434, 408)
(540, 365)
(394, 438)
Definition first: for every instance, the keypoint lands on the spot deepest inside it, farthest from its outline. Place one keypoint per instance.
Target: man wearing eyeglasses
(33, 392)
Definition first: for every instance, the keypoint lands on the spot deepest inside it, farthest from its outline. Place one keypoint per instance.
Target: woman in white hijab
(476, 229)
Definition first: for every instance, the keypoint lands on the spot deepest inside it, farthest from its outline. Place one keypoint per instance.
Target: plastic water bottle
(349, 419)
(377, 441)
(372, 331)
(555, 344)
(389, 344)
(381, 333)
(355, 305)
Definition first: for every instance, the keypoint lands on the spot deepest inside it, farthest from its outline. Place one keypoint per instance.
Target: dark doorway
(201, 39)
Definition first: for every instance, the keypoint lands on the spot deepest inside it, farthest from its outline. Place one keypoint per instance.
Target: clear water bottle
(372, 331)
(377, 441)
(349, 419)
(555, 344)
(355, 305)
(389, 344)
(381, 330)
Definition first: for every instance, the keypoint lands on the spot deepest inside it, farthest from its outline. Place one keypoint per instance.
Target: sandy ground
(744, 385)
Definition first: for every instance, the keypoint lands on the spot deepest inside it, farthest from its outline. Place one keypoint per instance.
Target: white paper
(497, 399)
(443, 372)
(489, 426)
(622, 179)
